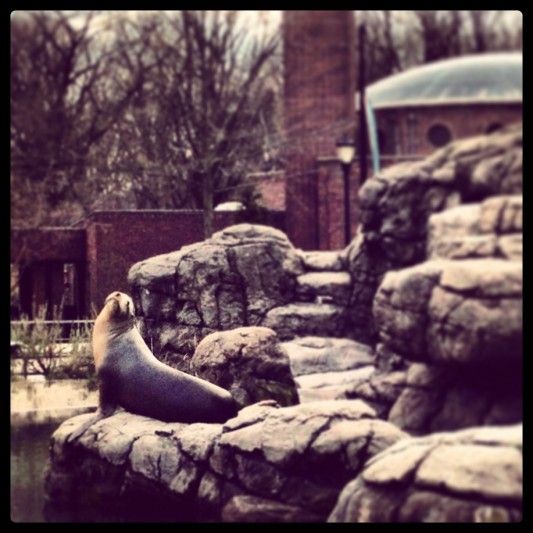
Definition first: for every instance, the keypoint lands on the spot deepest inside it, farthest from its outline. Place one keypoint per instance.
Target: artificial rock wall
(397, 203)
(433, 282)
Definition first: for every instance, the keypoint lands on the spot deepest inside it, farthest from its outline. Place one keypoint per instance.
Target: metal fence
(68, 327)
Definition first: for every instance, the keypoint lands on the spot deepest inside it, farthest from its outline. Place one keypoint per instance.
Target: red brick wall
(462, 120)
(60, 244)
(331, 230)
(319, 75)
(118, 239)
(272, 191)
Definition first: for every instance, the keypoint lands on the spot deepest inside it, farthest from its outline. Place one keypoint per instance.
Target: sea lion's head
(119, 306)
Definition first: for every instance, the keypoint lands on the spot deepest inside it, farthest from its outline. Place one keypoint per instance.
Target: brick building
(426, 107)
(409, 115)
(80, 267)
(319, 84)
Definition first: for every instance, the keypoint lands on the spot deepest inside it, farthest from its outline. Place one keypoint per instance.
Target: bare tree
(400, 39)
(440, 33)
(201, 122)
(67, 91)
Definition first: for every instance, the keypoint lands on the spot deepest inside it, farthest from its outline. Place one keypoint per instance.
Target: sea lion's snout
(122, 304)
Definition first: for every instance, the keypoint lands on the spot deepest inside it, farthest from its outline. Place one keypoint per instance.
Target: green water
(29, 454)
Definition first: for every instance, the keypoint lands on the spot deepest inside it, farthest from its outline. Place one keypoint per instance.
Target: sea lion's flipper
(107, 406)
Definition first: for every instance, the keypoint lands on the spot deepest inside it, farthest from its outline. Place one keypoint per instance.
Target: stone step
(309, 355)
(302, 319)
(321, 260)
(331, 385)
(329, 287)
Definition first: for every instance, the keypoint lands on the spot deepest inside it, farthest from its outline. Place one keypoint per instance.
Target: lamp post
(345, 155)
(362, 129)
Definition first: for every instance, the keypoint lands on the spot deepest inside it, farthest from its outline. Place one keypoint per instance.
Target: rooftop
(480, 78)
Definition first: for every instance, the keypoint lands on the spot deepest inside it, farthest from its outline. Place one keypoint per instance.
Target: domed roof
(495, 77)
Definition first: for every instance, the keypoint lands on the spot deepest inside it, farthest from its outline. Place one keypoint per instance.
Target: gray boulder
(293, 461)
(473, 475)
(397, 203)
(249, 362)
(436, 398)
(231, 280)
(492, 228)
(453, 312)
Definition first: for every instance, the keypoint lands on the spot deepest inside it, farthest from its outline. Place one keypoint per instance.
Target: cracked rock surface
(467, 311)
(331, 385)
(249, 362)
(306, 319)
(397, 203)
(473, 475)
(230, 280)
(322, 260)
(309, 355)
(290, 461)
(461, 320)
(441, 398)
(492, 228)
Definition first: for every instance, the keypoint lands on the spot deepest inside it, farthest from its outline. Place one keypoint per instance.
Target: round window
(439, 135)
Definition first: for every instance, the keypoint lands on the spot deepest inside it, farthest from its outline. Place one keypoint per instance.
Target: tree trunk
(208, 204)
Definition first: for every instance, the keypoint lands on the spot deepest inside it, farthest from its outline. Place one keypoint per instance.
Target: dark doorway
(54, 289)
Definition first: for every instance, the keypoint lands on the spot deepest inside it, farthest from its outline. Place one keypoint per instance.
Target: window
(439, 135)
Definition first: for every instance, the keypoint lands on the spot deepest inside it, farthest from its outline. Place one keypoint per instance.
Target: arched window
(439, 135)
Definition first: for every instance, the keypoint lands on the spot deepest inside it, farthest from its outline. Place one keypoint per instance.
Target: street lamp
(345, 155)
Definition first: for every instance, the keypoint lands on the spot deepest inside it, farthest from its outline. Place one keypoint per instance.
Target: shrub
(39, 349)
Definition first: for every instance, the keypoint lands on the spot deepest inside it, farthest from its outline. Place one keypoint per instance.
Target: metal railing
(68, 327)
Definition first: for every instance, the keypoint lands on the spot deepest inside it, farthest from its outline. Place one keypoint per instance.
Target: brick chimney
(319, 107)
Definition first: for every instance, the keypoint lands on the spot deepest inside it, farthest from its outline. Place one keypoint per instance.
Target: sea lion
(131, 376)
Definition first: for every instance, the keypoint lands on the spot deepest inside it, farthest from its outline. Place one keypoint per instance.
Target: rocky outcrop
(231, 280)
(326, 368)
(323, 261)
(467, 311)
(286, 462)
(397, 203)
(473, 475)
(245, 275)
(432, 285)
(438, 264)
(492, 228)
(249, 362)
(462, 320)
